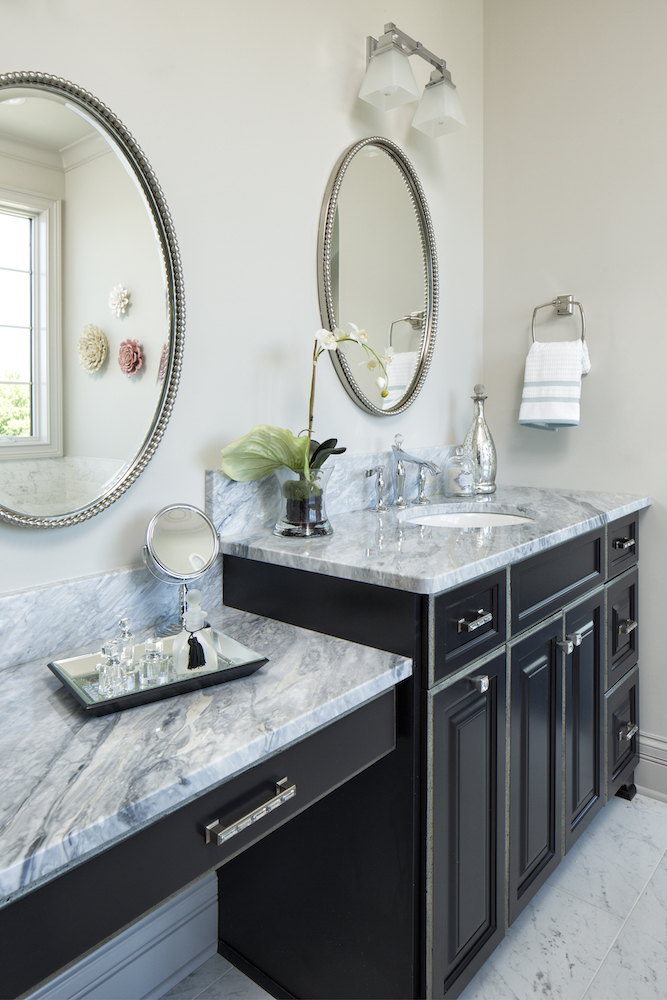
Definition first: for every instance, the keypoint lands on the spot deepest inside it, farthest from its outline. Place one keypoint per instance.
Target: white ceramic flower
(92, 348)
(119, 300)
(326, 339)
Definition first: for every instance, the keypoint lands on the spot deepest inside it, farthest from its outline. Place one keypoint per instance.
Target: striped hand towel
(399, 373)
(552, 384)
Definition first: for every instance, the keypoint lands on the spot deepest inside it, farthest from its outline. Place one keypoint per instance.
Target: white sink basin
(467, 519)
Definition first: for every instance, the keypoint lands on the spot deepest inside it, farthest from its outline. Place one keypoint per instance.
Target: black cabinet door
(467, 722)
(584, 687)
(535, 764)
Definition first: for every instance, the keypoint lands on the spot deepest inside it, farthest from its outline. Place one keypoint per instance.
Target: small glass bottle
(125, 640)
(153, 665)
(459, 474)
(184, 652)
(479, 445)
(110, 671)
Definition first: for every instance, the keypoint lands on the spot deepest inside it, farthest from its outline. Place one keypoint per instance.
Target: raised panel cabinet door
(467, 806)
(584, 687)
(535, 764)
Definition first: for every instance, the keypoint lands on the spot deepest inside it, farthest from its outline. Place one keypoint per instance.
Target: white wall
(575, 200)
(242, 110)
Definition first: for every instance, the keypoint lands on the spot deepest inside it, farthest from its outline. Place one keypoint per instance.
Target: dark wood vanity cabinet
(524, 724)
(466, 802)
(535, 763)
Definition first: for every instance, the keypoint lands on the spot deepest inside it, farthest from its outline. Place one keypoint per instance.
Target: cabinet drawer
(165, 856)
(547, 581)
(622, 545)
(622, 629)
(622, 731)
(468, 622)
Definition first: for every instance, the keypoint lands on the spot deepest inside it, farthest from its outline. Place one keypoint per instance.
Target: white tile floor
(597, 930)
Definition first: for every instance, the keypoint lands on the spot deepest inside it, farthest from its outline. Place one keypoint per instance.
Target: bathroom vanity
(519, 722)
(102, 819)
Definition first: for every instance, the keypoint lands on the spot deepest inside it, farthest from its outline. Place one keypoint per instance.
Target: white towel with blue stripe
(552, 384)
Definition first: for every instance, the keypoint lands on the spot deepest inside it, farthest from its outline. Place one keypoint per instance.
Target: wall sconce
(390, 82)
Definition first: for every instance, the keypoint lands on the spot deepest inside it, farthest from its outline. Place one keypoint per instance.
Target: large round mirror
(92, 310)
(378, 270)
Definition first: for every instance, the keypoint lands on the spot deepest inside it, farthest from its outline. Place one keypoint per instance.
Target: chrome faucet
(379, 471)
(401, 458)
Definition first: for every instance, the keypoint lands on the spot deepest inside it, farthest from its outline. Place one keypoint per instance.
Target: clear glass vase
(303, 514)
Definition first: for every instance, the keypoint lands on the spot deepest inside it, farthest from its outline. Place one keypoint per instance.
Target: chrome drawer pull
(484, 619)
(627, 732)
(567, 645)
(624, 543)
(576, 638)
(218, 834)
(626, 627)
(480, 683)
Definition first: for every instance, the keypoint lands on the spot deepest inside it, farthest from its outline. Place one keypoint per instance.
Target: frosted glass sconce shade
(389, 80)
(439, 110)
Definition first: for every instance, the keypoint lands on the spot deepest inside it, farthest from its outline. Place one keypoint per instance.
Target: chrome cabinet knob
(627, 731)
(626, 627)
(480, 683)
(624, 543)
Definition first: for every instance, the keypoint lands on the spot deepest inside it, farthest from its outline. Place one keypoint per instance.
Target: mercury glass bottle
(479, 445)
(459, 474)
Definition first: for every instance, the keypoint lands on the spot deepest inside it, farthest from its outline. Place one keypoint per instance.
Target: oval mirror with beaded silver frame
(124, 145)
(329, 268)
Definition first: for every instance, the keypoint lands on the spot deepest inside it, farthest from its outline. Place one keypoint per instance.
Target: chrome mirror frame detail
(174, 290)
(430, 261)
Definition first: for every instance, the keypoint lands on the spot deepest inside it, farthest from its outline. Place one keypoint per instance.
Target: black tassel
(196, 654)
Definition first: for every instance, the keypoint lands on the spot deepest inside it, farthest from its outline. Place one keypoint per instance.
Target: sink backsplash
(235, 507)
(49, 621)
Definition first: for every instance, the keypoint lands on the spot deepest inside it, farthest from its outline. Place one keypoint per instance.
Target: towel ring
(563, 304)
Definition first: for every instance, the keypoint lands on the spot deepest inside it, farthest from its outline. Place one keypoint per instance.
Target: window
(30, 370)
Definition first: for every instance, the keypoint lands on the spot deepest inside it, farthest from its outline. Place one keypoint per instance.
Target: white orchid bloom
(371, 364)
(380, 382)
(326, 339)
(362, 337)
(355, 333)
(389, 355)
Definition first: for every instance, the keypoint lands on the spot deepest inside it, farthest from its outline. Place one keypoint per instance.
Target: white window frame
(47, 425)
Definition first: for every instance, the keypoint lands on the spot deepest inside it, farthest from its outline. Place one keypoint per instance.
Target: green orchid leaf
(320, 454)
(263, 450)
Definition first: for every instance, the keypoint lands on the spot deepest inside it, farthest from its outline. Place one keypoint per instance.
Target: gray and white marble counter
(385, 549)
(71, 786)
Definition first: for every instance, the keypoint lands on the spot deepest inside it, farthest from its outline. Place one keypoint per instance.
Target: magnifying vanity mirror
(378, 270)
(92, 309)
(181, 545)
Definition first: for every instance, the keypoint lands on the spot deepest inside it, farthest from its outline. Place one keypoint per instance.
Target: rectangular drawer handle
(626, 733)
(626, 627)
(484, 619)
(218, 834)
(480, 683)
(624, 543)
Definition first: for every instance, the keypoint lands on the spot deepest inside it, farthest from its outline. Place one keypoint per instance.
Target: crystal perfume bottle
(479, 445)
(459, 475)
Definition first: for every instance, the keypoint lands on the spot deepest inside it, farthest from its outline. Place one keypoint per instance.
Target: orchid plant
(265, 448)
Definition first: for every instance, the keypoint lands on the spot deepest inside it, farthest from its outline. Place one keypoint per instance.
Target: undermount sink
(485, 518)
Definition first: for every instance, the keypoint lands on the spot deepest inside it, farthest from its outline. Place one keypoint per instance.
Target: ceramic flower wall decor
(93, 348)
(119, 300)
(130, 357)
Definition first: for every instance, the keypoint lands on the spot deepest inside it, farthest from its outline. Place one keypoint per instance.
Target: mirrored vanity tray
(79, 676)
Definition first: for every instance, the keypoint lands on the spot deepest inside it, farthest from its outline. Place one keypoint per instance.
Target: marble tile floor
(596, 931)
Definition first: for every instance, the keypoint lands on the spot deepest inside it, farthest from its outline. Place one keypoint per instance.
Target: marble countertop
(386, 550)
(71, 785)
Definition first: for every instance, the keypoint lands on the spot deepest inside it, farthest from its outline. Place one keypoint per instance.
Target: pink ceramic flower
(130, 357)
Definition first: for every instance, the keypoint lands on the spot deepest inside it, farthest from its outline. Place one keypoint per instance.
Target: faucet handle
(379, 472)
